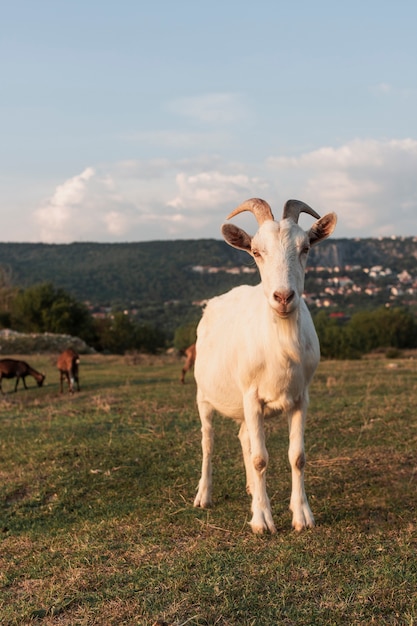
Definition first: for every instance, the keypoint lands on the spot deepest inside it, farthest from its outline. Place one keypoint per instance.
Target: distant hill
(398, 253)
(123, 273)
(161, 271)
(146, 275)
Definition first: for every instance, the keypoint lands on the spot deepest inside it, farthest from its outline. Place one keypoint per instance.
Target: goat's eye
(305, 249)
(256, 253)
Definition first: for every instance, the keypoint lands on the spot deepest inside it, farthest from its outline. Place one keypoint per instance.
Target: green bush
(185, 335)
(388, 328)
(43, 308)
(119, 333)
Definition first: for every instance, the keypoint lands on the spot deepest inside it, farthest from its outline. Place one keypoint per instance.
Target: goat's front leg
(203, 497)
(245, 444)
(261, 508)
(302, 515)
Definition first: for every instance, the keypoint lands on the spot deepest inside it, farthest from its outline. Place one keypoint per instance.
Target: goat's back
(68, 360)
(13, 367)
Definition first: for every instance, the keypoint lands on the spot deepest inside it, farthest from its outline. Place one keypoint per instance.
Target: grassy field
(97, 523)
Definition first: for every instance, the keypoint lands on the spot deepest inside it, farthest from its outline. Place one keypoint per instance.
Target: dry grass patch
(98, 525)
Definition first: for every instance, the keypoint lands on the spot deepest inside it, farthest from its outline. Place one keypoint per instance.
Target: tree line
(44, 308)
(389, 329)
(139, 274)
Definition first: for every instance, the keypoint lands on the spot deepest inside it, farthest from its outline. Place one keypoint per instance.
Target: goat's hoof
(259, 526)
(204, 505)
(260, 530)
(299, 526)
(257, 530)
(199, 503)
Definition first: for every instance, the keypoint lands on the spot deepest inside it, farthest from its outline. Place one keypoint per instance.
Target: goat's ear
(322, 228)
(236, 237)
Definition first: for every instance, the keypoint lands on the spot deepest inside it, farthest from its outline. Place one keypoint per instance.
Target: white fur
(255, 359)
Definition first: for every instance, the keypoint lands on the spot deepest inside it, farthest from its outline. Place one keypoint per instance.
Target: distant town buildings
(333, 285)
(209, 269)
(336, 288)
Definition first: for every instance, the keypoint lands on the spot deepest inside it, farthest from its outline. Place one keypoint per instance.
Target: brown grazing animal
(12, 368)
(190, 358)
(68, 368)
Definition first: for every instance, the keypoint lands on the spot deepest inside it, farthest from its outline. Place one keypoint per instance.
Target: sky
(137, 121)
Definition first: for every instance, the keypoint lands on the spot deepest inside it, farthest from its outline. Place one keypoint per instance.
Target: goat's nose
(284, 297)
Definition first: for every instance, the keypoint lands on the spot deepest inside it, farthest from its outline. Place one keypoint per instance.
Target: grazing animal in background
(67, 364)
(13, 368)
(257, 350)
(189, 361)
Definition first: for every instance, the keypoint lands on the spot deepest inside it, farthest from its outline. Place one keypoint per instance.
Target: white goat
(257, 350)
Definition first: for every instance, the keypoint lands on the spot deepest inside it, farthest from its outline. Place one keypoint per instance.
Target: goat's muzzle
(284, 302)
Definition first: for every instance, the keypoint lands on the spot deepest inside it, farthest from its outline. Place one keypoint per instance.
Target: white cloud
(116, 223)
(208, 190)
(370, 184)
(89, 206)
(59, 215)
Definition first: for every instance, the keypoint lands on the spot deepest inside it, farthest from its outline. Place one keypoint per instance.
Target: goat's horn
(260, 209)
(293, 208)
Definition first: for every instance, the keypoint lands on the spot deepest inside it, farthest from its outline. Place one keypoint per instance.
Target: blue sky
(134, 121)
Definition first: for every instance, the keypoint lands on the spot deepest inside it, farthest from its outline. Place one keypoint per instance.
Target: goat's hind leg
(203, 497)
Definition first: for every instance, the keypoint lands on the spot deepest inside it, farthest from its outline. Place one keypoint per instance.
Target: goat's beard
(288, 332)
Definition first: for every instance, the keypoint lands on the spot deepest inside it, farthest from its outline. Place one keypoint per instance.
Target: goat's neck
(287, 334)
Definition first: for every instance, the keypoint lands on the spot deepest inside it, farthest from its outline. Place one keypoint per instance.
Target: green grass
(97, 524)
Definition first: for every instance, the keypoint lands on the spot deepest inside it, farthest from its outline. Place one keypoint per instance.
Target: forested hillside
(106, 274)
(161, 271)
(162, 283)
